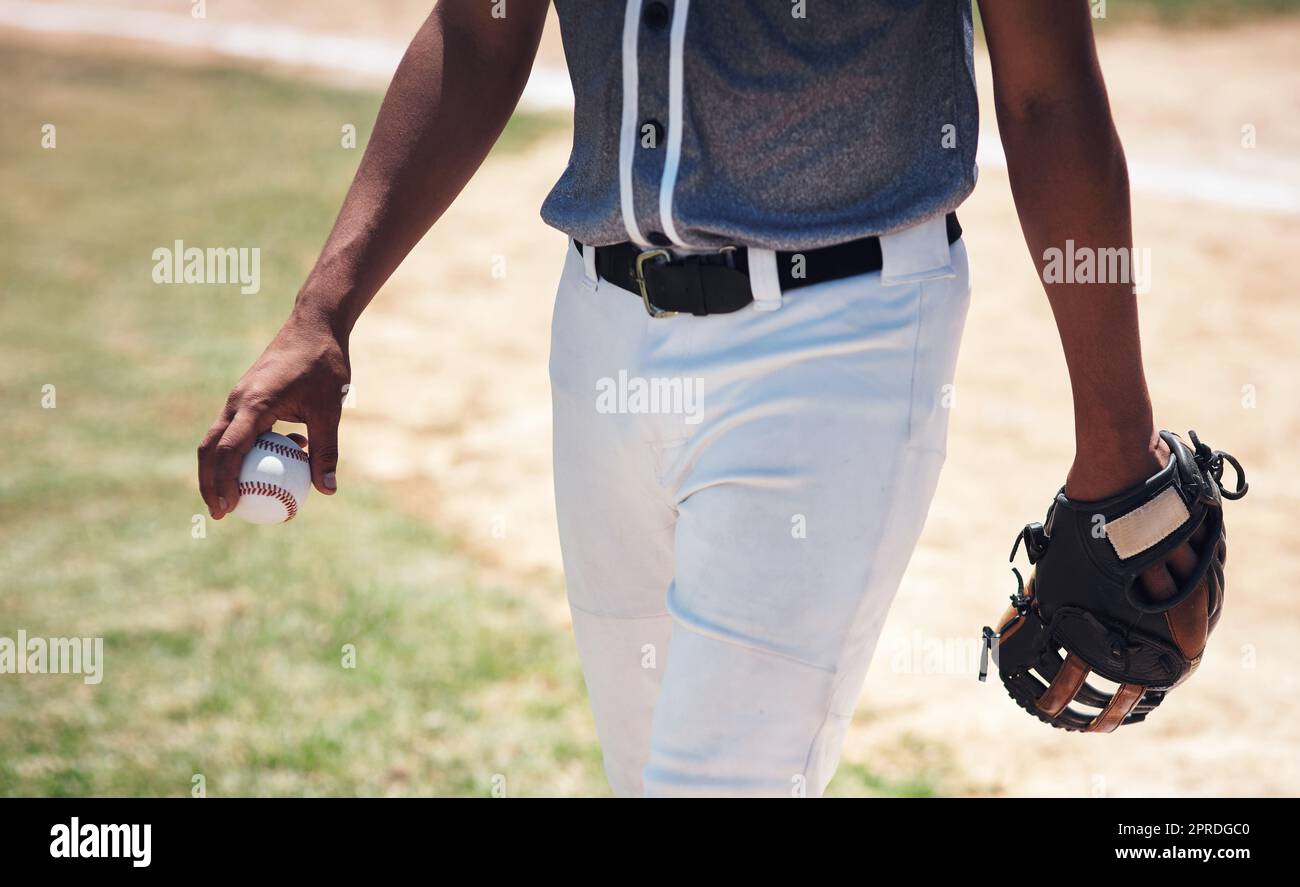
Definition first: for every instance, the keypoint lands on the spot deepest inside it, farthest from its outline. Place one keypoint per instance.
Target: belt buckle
(641, 259)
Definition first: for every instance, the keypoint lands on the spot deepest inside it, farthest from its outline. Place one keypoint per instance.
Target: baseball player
(763, 290)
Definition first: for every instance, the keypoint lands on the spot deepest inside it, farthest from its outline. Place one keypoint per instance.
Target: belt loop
(589, 263)
(764, 281)
(916, 253)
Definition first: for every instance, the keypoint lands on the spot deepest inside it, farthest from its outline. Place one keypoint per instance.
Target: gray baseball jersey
(782, 124)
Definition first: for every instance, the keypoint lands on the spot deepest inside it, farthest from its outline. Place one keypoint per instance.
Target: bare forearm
(450, 98)
(1070, 183)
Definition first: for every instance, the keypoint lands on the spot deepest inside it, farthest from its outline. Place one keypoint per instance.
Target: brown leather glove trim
(1189, 622)
(1119, 707)
(1063, 687)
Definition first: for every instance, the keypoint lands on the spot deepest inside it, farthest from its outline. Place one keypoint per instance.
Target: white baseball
(273, 481)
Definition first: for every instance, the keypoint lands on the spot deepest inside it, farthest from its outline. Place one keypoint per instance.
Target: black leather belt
(718, 283)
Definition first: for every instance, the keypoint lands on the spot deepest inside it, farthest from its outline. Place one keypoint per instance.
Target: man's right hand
(450, 98)
(302, 376)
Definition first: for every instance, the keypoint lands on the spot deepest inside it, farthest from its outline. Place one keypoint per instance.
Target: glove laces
(1211, 462)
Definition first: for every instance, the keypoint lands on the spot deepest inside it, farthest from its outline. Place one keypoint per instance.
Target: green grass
(911, 767)
(223, 648)
(222, 653)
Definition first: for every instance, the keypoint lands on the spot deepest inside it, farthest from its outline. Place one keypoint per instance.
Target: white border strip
(627, 134)
(668, 182)
(548, 89)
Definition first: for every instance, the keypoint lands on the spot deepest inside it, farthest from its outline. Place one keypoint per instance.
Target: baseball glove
(1084, 611)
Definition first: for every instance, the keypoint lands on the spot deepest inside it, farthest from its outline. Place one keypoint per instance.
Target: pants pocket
(941, 318)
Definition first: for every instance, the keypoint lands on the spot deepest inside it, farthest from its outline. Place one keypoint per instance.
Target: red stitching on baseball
(282, 449)
(261, 488)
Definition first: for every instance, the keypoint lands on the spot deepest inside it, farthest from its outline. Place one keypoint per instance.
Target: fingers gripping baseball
(208, 468)
(299, 378)
(231, 450)
(323, 448)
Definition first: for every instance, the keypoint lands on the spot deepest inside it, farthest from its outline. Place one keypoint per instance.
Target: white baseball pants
(738, 497)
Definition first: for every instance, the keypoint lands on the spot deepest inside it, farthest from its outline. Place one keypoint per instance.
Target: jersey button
(655, 16)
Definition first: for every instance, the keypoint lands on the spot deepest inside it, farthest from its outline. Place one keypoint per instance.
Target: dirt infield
(451, 366)
(452, 411)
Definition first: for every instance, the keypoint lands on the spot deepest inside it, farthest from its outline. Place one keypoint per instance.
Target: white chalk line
(547, 89)
(1197, 184)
